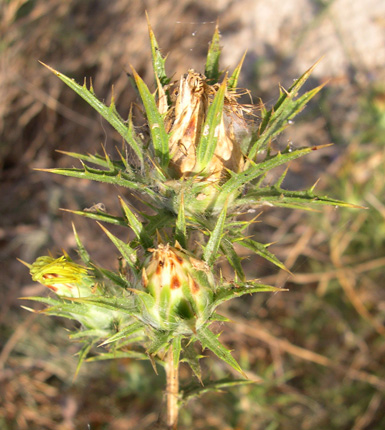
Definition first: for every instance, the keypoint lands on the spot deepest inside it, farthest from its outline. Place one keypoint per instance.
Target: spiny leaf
(133, 137)
(136, 226)
(112, 303)
(127, 252)
(232, 257)
(261, 250)
(209, 137)
(158, 61)
(176, 350)
(210, 386)
(180, 225)
(155, 122)
(239, 180)
(160, 221)
(212, 63)
(228, 292)
(117, 278)
(159, 340)
(233, 80)
(210, 341)
(211, 249)
(99, 216)
(286, 108)
(82, 356)
(60, 308)
(116, 177)
(218, 318)
(304, 200)
(82, 250)
(284, 95)
(146, 299)
(124, 333)
(94, 159)
(191, 357)
(118, 354)
(109, 114)
(92, 333)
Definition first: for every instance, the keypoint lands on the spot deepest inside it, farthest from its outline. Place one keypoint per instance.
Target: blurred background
(317, 352)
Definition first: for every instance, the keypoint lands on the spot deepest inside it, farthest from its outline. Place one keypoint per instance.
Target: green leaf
(118, 354)
(276, 196)
(159, 340)
(108, 112)
(60, 308)
(125, 305)
(180, 225)
(127, 252)
(261, 250)
(195, 390)
(286, 108)
(136, 226)
(176, 350)
(218, 318)
(159, 221)
(209, 138)
(158, 61)
(228, 292)
(233, 258)
(239, 180)
(233, 80)
(124, 333)
(212, 63)
(99, 216)
(191, 357)
(82, 250)
(211, 249)
(145, 299)
(94, 159)
(155, 122)
(92, 333)
(210, 341)
(117, 278)
(116, 177)
(83, 355)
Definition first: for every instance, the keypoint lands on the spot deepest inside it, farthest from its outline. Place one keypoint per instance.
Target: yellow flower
(62, 276)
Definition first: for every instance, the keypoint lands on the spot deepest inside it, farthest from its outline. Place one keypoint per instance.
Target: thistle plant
(202, 164)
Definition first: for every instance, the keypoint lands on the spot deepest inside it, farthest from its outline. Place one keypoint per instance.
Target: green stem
(172, 391)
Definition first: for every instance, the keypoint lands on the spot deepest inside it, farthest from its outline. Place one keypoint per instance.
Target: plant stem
(172, 390)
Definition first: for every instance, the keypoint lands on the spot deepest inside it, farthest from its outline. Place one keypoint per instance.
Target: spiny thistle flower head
(182, 286)
(185, 123)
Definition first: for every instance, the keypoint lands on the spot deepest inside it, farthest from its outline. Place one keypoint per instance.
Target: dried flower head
(186, 123)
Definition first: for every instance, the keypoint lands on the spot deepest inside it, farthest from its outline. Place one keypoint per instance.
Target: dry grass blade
(257, 331)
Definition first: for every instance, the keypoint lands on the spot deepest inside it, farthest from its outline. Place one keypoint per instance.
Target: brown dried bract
(185, 120)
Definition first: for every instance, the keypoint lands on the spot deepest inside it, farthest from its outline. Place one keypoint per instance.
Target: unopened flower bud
(181, 286)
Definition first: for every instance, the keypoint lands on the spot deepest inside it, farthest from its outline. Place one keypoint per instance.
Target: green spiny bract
(197, 170)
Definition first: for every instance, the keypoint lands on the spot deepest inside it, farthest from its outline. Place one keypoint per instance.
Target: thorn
(159, 238)
(50, 68)
(153, 364)
(315, 184)
(24, 262)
